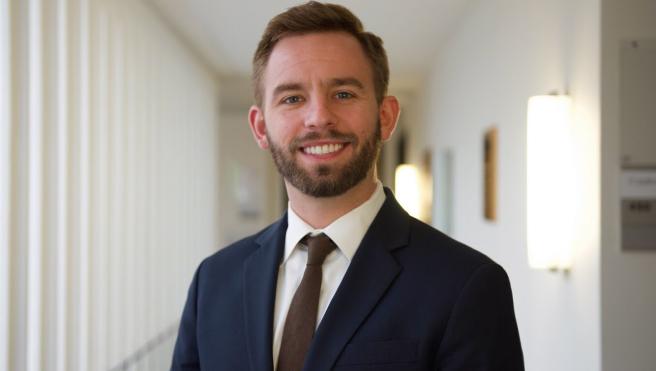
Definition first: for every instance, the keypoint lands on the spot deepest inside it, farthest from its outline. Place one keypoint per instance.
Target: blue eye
(291, 100)
(344, 95)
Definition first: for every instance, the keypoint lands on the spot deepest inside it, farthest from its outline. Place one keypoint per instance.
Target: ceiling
(226, 33)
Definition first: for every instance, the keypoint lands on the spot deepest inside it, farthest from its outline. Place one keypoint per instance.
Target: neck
(319, 212)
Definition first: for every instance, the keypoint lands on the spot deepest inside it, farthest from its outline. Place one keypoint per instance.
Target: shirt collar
(347, 231)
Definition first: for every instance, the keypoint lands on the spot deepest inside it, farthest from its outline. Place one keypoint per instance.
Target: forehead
(315, 57)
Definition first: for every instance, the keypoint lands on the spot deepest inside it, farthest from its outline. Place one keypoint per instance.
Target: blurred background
(126, 158)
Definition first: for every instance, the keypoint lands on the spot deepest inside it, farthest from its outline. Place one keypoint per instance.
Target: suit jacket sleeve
(482, 333)
(185, 354)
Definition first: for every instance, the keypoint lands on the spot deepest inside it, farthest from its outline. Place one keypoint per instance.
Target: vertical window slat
(5, 163)
(35, 185)
(62, 250)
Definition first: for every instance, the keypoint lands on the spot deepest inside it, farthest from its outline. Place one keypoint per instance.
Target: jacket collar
(371, 272)
(368, 277)
(260, 277)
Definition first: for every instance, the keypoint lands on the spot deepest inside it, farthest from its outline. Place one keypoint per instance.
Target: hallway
(126, 158)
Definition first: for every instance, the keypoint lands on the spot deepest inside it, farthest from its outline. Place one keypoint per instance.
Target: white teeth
(324, 149)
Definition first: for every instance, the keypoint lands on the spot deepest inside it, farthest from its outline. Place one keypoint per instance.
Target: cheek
(281, 128)
(360, 119)
(368, 123)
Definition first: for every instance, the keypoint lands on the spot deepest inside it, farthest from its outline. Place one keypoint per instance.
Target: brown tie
(302, 316)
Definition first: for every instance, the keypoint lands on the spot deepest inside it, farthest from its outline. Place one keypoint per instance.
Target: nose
(320, 114)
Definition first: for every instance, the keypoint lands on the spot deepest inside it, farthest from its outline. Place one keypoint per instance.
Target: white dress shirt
(346, 232)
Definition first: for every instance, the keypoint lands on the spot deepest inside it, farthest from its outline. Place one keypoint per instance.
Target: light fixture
(407, 188)
(549, 182)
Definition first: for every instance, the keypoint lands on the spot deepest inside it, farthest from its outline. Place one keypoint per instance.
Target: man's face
(320, 117)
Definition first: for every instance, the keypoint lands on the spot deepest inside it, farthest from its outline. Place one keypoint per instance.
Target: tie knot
(319, 247)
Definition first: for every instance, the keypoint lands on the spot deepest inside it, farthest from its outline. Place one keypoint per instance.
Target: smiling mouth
(323, 149)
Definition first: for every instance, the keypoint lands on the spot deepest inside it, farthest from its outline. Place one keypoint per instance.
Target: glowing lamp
(407, 187)
(549, 182)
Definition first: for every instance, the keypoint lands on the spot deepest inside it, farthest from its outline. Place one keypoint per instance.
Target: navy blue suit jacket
(412, 299)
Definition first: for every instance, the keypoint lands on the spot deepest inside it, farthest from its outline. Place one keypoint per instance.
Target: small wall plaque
(639, 210)
(490, 150)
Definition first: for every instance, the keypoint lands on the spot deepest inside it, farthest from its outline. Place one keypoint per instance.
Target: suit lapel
(368, 277)
(260, 277)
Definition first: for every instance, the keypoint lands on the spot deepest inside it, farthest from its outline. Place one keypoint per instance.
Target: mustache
(330, 134)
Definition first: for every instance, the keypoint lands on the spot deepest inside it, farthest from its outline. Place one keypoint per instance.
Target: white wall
(251, 195)
(108, 181)
(628, 278)
(503, 52)
(251, 188)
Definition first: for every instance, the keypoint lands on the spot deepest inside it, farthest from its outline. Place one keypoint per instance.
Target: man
(345, 280)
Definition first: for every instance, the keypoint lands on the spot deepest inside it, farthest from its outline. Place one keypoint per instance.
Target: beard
(327, 180)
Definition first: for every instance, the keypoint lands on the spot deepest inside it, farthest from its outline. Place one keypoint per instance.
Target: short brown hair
(318, 17)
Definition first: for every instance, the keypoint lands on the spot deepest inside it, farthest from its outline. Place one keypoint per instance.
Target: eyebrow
(285, 87)
(347, 81)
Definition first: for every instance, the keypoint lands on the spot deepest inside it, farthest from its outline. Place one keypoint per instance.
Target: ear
(389, 115)
(258, 127)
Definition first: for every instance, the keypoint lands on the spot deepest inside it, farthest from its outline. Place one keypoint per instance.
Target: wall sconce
(407, 188)
(549, 182)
